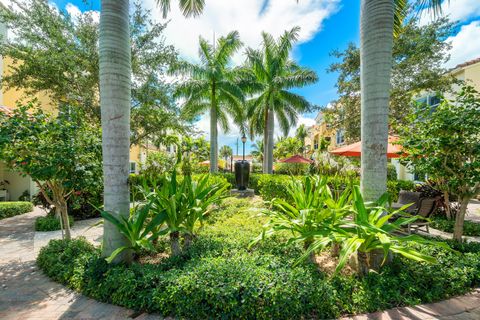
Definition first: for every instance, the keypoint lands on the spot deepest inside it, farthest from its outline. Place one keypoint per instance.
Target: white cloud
(248, 17)
(75, 12)
(457, 10)
(465, 44)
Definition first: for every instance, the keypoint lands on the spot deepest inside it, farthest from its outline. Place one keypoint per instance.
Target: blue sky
(326, 25)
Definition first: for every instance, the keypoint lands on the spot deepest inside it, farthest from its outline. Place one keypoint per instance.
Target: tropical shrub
(158, 162)
(178, 205)
(391, 172)
(274, 186)
(50, 223)
(10, 209)
(371, 231)
(172, 207)
(296, 169)
(313, 210)
(139, 231)
(394, 187)
(317, 220)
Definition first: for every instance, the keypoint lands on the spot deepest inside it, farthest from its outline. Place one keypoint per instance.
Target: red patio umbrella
(296, 159)
(355, 149)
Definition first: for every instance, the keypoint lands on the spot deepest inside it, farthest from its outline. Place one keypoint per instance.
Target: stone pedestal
(242, 193)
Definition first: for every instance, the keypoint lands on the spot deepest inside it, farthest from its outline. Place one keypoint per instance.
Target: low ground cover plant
(10, 209)
(50, 223)
(220, 276)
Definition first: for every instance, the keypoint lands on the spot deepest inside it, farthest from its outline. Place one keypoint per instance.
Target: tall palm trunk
(213, 134)
(376, 42)
(115, 87)
(265, 143)
(270, 143)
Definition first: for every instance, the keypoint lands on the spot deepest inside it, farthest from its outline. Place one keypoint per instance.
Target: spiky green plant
(369, 231)
(138, 229)
(314, 211)
(181, 204)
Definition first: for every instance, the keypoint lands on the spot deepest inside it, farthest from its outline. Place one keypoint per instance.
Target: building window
(133, 167)
(340, 137)
(431, 101)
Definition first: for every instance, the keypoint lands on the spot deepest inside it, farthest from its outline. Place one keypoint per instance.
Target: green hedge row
(470, 228)
(274, 186)
(50, 223)
(10, 209)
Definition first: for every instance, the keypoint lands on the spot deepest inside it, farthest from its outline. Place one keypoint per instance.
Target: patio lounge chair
(425, 210)
(406, 197)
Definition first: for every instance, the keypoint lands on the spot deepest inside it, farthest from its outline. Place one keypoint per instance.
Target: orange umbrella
(296, 159)
(355, 149)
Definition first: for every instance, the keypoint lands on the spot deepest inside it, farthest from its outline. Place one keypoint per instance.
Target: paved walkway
(25, 293)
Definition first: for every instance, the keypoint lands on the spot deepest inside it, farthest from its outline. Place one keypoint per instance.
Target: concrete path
(25, 293)
(473, 211)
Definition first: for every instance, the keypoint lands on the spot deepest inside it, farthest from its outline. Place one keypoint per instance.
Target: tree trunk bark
(187, 241)
(270, 142)
(459, 219)
(265, 142)
(335, 250)
(376, 42)
(446, 201)
(115, 100)
(175, 243)
(64, 216)
(362, 263)
(213, 134)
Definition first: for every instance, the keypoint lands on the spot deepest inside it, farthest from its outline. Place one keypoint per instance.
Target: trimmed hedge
(50, 223)
(470, 228)
(271, 186)
(10, 209)
(220, 277)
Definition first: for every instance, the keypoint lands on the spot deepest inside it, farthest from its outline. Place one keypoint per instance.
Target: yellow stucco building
(322, 132)
(469, 72)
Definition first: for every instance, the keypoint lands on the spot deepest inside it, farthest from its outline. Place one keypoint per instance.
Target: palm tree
(188, 7)
(115, 90)
(214, 87)
(301, 134)
(275, 74)
(257, 151)
(225, 152)
(379, 19)
(115, 98)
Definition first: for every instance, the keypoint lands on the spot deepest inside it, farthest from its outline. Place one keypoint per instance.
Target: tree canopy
(419, 53)
(444, 143)
(57, 54)
(61, 154)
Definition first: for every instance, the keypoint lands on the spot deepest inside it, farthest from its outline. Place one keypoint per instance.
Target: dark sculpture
(242, 174)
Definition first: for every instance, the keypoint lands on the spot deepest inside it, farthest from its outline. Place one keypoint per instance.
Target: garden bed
(220, 277)
(10, 209)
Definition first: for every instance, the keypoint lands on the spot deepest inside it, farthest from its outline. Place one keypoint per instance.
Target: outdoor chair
(425, 210)
(406, 197)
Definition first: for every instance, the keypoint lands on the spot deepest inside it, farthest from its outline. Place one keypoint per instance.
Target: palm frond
(188, 7)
